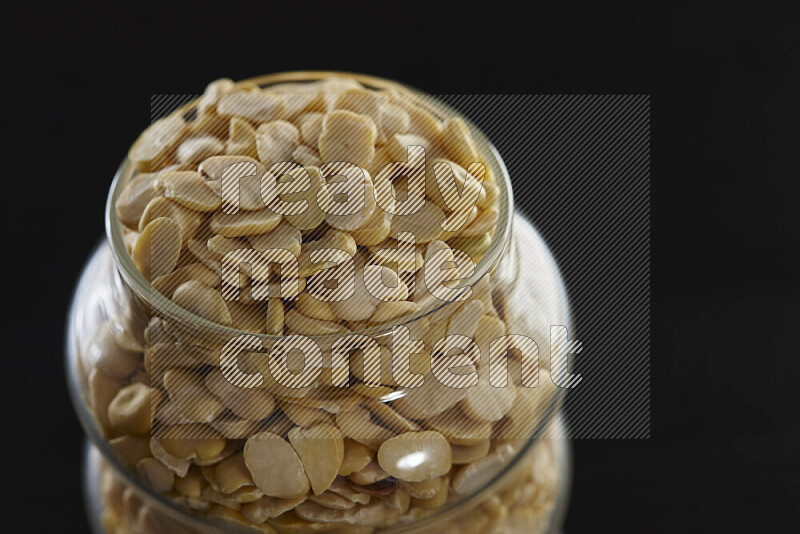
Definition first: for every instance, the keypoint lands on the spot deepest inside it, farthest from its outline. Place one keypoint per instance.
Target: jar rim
(497, 248)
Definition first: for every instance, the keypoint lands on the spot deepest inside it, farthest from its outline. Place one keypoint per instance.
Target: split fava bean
(321, 448)
(188, 220)
(135, 197)
(189, 189)
(203, 301)
(129, 412)
(348, 136)
(276, 468)
(416, 456)
(157, 250)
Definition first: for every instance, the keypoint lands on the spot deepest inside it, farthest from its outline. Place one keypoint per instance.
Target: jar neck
(488, 264)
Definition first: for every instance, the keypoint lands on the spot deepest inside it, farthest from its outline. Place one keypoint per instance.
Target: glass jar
(519, 484)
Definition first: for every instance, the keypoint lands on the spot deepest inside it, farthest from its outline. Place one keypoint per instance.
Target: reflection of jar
(510, 478)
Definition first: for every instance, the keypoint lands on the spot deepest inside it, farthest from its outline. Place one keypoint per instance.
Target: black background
(725, 83)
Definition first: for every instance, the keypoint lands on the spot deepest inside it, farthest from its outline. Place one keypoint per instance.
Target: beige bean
(252, 404)
(249, 318)
(389, 417)
(179, 466)
(428, 400)
(188, 220)
(354, 221)
(357, 425)
(329, 499)
(321, 448)
(284, 236)
(246, 495)
(154, 475)
(102, 390)
(129, 412)
(187, 391)
(256, 106)
(275, 466)
(306, 156)
(361, 304)
(158, 248)
(203, 301)
(315, 309)
(398, 501)
(329, 398)
(249, 182)
(191, 485)
(235, 428)
(459, 429)
(348, 136)
(416, 456)
(278, 424)
(485, 222)
(356, 457)
(450, 174)
(465, 454)
(199, 249)
(477, 474)
(334, 239)
(370, 474)
(391, 120)
(220, 245)
(487, 403)
(361, 101)
(421, 122)
(474, 247)
(331, 88)
(196, 149)
(298, 97)
(276, 141)
(435, 502)
(189, 189)
(317, 198)
(244, 223)
(151, 150)
(177, 441)
(488, 200)
(231, 474)
(458, 142)
(426, 489)
(310, 125)
(343, 488)
(385, 253)
(208, 123)
(222, 502)
(167, 284)
(213, 92)
(397, 146)
(425, 224)
(375, 230)
(104, 353)
(304, 416)
(241, 139)
(135, 197)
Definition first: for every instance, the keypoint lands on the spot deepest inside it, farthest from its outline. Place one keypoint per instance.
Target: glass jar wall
(504, 472)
